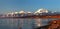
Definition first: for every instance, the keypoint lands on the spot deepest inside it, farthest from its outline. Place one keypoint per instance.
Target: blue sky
(28, 5)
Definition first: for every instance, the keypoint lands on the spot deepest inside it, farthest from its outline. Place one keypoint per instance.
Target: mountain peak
(42, 11)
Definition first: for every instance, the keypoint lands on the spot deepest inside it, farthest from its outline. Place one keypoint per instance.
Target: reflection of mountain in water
(24, 23)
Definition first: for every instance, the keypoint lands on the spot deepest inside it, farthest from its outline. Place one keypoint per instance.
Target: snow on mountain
(41, 11)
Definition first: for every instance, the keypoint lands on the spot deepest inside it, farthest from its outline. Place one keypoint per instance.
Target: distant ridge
(41, 13)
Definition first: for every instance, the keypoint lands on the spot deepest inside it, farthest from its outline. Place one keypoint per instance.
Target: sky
(7, 6)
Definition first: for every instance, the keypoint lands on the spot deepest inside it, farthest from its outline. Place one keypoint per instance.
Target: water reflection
(23, 23)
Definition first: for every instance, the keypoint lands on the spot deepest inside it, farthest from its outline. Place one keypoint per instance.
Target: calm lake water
(23, 23)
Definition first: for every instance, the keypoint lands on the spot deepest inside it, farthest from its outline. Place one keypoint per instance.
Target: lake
(23, 23)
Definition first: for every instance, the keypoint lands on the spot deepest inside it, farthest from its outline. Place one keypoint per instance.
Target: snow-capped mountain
(45, 12)
(42, 11)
